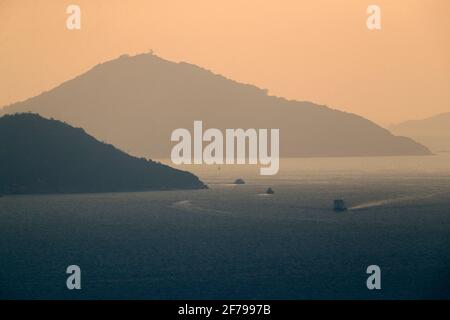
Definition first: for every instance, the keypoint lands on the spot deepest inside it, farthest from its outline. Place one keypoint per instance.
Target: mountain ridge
(129, 92)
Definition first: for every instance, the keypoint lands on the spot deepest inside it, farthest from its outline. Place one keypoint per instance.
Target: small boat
(239, 181)
(270, 191)
(339, 205)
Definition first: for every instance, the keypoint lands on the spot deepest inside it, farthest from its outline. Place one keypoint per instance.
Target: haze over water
(234, 241)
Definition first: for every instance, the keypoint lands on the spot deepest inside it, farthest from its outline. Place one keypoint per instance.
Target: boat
(270, 191)
(239, 181)
(339, 205)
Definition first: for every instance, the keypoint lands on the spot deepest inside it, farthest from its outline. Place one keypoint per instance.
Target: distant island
(38, 155)
(135, 102)
(434, 132)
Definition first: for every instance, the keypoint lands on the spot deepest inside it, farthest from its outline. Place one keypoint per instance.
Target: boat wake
(187, 205)
(379, 203)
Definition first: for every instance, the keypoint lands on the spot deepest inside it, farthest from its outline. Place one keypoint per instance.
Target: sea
(238, 242)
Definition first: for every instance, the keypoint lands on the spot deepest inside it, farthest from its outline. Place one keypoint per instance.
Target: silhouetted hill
(136, 102)
(433, 132)
(47, 156)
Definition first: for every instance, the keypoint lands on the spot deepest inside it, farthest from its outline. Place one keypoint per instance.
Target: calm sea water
(235, 242)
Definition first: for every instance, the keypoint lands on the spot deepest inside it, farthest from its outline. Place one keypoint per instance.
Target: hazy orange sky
(319, 50)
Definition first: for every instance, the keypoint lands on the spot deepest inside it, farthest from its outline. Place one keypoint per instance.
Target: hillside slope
(136, 102)
(47, 156)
